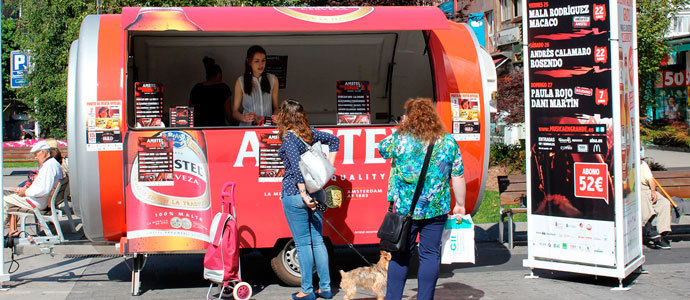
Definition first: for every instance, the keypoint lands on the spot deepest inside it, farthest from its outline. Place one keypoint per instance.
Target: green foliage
(488, 211)
(19, 164)
(48, 28)
(9, 43)
(672, 135)
(511, 157)
(653, 21)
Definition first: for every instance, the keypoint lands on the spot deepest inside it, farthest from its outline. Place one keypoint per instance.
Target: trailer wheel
(286, 265)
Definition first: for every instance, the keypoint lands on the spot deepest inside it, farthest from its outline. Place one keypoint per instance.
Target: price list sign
(570, 111)
(271, 167)
(353, 102)
(182, 116)
(155, 156)
(148, 99)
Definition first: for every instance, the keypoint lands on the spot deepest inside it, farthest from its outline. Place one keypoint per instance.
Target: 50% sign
(591, 181)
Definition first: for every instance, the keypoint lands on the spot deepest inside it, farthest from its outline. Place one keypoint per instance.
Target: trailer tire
(286, 264)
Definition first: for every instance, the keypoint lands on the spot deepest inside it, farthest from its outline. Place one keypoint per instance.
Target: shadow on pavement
(454, 290)
(584, 278)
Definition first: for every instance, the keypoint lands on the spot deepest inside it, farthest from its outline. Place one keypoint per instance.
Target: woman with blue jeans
(305, 223)
(407, 148)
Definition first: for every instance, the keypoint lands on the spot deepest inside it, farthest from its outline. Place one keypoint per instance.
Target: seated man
(38, 193)
(654, 206)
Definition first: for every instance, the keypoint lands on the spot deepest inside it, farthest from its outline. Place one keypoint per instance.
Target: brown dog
(373, 278)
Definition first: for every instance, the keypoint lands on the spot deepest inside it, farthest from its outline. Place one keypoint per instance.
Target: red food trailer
(152, 188)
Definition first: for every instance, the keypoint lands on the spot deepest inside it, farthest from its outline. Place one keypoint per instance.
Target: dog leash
(344, 239)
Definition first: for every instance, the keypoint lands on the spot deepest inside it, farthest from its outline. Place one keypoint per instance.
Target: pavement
(672, 160)
(497, 274)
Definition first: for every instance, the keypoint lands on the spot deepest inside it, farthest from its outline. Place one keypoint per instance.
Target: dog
(373, 278)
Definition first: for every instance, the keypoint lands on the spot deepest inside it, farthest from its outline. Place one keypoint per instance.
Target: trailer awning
(257, 19)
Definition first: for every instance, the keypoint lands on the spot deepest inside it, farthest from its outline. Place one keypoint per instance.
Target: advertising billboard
(582, 140)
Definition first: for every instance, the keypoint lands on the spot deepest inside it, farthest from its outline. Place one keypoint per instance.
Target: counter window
(182, 79)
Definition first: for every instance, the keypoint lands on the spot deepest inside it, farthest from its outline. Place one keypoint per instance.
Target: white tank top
(257, 102)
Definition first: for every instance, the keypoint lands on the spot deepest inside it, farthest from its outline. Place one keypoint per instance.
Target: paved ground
(498, 273)
(672, 160)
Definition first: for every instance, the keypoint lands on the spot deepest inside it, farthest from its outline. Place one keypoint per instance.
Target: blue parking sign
(19, 62)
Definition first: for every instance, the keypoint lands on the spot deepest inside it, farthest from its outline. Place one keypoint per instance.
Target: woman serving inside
(256, 92)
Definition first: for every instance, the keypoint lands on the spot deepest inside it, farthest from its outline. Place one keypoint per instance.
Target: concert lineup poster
(148, 102)
(570, 126)
(353, 98)
(277, 65)
(465, 110)
(103, 119)
(271, 167)
(155, 161)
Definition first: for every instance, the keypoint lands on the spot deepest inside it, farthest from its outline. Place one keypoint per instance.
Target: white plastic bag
(457, 241)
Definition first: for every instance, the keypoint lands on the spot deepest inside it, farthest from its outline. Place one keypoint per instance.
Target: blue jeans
(430, 232)
(306, 227)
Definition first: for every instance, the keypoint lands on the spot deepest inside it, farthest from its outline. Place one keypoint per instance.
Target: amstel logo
(326, 15)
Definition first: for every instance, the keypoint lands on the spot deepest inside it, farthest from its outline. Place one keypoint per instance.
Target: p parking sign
(19, 61)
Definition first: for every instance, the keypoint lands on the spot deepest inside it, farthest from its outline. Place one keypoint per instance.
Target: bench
(23, 154)
(512, 190)
(676, 183)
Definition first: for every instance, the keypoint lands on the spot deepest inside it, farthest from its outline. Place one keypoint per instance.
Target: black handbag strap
(420, 181)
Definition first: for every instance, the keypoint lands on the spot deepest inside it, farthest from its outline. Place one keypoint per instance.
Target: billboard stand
(583, 138)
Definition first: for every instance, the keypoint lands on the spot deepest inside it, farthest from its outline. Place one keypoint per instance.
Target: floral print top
(407, 153)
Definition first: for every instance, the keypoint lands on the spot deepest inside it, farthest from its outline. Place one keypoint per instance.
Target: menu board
(103, 122)
(182, 116)
(571, 131)
(277, 65)
(353, 102)
(271, 167)
(155, 156)
(148, 102)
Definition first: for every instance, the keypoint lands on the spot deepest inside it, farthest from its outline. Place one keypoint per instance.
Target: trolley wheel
(242, 291)
(286, 265)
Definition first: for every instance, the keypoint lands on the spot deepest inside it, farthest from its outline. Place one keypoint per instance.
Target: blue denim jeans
(306, 227)
(430, 232)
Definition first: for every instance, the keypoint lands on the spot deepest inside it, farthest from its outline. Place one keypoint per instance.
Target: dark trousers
(430, 231)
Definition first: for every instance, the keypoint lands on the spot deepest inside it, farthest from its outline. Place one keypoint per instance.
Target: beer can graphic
(168, 217)
(162, 18)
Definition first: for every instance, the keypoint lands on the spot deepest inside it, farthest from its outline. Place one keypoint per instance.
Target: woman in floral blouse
(407, 148)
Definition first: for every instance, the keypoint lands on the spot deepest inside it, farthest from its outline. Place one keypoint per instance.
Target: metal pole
(3, 276)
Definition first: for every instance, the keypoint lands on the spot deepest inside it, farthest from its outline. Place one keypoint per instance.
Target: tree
(653, 21)
(47, 29)
(9, 43)
(510, 99)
